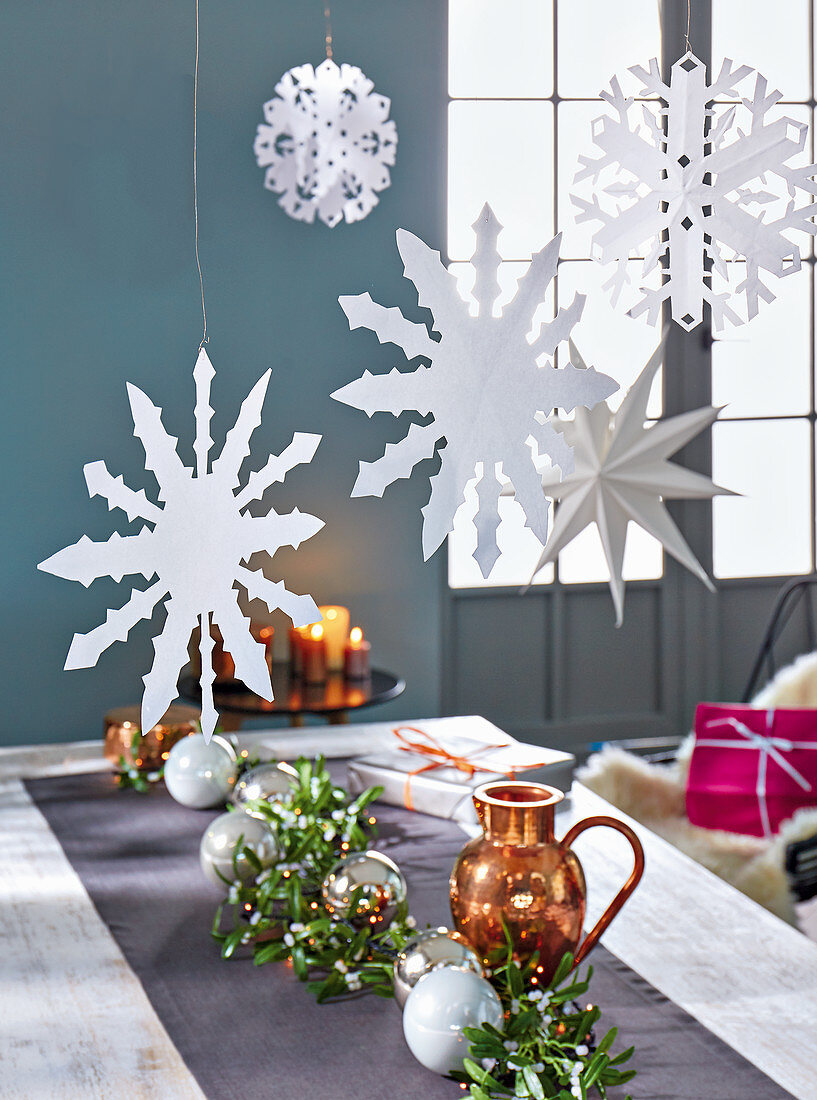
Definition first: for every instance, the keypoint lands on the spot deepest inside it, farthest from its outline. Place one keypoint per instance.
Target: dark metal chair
(791, 596)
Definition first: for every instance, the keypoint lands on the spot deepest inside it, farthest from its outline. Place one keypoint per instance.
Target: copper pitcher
(519, 874)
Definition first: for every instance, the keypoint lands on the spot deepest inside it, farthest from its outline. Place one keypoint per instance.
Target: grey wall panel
(499, 663)
(608, 670)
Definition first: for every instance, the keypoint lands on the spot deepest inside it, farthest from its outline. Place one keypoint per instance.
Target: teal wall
(99, 288)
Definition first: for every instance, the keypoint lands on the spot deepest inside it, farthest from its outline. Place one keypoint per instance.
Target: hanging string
(196, 179)
(689, 48)
(328, 17)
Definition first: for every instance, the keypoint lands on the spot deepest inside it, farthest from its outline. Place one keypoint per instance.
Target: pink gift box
(751, 769)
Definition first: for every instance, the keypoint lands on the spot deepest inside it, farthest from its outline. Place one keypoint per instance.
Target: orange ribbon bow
(440, 757)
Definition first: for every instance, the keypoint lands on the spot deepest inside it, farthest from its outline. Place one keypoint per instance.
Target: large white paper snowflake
(194, 542)
(691, 194)
(327, 143)
(622, 475)
(483, 387)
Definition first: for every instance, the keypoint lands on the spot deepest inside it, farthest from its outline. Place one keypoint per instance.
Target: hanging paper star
(622, 475)
(692, 192)
(483, 388)
(327, 143)
(194, 542)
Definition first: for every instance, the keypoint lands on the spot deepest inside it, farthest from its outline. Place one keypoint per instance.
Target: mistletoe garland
(547, 1046)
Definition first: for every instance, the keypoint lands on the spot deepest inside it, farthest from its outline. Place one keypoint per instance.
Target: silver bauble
(428, 951)
(439, 1007)
(221, 839)
(270, 781)
(201, 775)
(380, 883)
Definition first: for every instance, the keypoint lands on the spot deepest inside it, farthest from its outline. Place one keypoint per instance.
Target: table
(73, 1012)
(332, 699)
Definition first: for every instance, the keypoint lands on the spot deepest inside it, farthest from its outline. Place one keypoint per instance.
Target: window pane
(597, 41)
(500, 48)
(767, 531)
(583, 560)
(762, 369)
(773, 40)
(575, 138)
(607, 338)
(520, 549)
(501, 153)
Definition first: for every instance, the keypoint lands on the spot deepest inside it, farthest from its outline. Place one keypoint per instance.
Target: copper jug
(519, 875)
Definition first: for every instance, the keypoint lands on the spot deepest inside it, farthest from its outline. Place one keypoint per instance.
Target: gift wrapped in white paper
(436, 765)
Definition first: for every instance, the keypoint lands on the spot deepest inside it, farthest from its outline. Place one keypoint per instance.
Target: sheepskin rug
(654, 795)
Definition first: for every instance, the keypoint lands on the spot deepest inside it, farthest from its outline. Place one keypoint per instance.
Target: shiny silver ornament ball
(272, 781)
(200, 774)
(439, 1008)
(381, 886)
(221, 839)
(429, 951)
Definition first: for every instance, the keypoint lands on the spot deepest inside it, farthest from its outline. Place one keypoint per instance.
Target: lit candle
(296, 656)
(313, 648)
(356, 656)
(266, 636)
(335, 628)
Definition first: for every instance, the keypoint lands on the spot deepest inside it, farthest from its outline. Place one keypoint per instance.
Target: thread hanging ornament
(713, 188)
(196, 539)
(326, 142)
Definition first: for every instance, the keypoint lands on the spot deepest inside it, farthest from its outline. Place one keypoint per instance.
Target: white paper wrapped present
(435, 766)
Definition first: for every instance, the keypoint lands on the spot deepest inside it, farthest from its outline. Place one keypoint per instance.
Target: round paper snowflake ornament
(195, 542)
(327, 143)
(689, 188)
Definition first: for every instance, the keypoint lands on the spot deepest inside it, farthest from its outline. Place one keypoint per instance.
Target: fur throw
(655, 795)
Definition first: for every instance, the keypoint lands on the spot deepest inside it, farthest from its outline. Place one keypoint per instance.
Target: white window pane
(500, 153)
(767, 531)
(583, 561)
(508, 278)
(607, 338)
(520, 549)
(575, 138)
(500, 48)
(597, 41)
(772, 39)
(762, 369)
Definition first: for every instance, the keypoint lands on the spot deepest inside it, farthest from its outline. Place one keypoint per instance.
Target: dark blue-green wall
(99, 288)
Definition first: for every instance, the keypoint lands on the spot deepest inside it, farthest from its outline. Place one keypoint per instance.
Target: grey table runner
(255, 1032)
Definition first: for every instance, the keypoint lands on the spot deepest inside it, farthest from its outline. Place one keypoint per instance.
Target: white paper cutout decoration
(327, 143)
(622, 474)
(483, 388)
(693, 194)
(200, 536)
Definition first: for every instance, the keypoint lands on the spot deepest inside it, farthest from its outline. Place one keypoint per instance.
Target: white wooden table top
(75, 1023)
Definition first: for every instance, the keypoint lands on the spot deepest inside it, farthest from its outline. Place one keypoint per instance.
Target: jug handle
(615, 905)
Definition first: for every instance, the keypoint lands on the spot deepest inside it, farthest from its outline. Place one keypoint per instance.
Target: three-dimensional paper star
(622, 475)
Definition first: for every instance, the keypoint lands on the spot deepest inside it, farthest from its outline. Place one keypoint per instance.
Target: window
(524, 83)
(764, 372)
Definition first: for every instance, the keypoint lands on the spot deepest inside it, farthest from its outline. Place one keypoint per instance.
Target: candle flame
(355, 635)
(316, 632)
(331, 613)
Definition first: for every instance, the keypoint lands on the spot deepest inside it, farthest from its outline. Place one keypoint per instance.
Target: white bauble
(221, 838)
(201, 775)
(439, 1007)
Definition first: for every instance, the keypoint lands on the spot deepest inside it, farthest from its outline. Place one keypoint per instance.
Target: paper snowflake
(327, 143)
(194, 542)
(692, 193)
(483, 388)
(622, 475)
